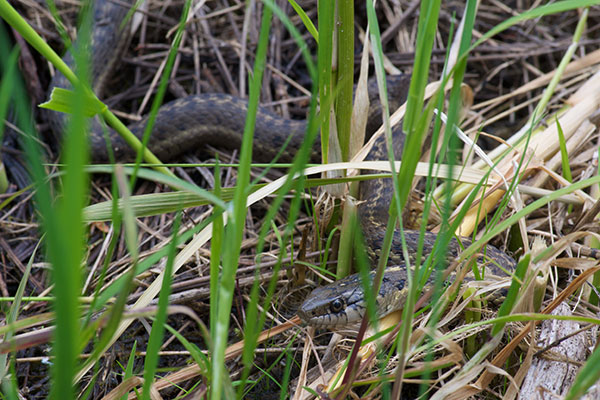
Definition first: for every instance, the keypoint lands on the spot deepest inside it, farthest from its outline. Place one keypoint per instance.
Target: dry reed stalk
(543, 145)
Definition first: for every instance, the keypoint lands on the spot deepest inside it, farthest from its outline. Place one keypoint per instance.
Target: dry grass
(507, 75)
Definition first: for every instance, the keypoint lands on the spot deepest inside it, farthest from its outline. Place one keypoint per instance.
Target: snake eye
(336, 306)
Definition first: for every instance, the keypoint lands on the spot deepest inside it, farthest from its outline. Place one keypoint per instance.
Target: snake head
(343, 303)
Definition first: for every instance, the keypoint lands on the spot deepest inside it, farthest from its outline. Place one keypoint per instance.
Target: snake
(218, 120)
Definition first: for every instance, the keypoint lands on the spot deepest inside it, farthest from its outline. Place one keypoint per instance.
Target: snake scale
(218, 119)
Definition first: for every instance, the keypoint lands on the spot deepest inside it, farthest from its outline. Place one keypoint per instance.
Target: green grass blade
(128, 373)
(513, 291)
(7, 86)
(65, 232)
(425, 35)
(235, 229)
(537, 12)
(158, 326)
(6, 90)
(289, 361)
(310, 27)
(9, 388)
(587, 376)
(345, 74)
(199, 357)
(449, 150)
(412, 145)
(300, 160)
(14, 313)
(326, 14)
(162, 87)
(452, 144)
(216, 246)
(116, 227)
(564, 154)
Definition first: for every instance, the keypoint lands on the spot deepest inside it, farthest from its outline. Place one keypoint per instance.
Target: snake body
(218, 119)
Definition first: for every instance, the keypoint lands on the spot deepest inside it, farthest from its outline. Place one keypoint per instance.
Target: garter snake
(218, 119)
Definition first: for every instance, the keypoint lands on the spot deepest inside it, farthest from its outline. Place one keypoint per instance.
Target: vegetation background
(75, 260)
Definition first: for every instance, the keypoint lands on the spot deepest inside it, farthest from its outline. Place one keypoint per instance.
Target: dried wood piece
(564, 347)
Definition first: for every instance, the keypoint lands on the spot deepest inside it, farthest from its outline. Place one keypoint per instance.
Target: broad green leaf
(62, 100)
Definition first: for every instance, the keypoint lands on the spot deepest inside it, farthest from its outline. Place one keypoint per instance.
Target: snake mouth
(345, 318)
